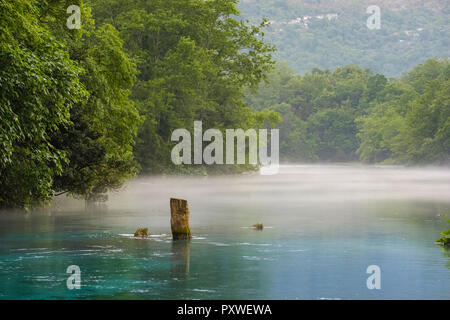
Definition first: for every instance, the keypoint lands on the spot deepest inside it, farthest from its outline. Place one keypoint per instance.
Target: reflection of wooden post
(179, 220)
(180, 259)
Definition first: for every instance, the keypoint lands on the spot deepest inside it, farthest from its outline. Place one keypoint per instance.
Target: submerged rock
(258, 226)
(141, 232)
(179, 211)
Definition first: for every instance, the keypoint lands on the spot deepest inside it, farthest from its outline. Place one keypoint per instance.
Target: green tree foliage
(39, 85)
(318, 110)
(77, 107)
(411, 125)
(67, 123)
(445, 239)
(194, 60)
(383, 122)
(425, 135)
(72, 100)
(333, 134)
(100, 139)
(351, 114)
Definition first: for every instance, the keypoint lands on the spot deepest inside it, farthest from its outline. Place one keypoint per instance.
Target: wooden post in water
(179, 220)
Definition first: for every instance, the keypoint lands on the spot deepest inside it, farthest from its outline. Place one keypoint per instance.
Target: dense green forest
(84, 110)
(327, 34)
(351, 114)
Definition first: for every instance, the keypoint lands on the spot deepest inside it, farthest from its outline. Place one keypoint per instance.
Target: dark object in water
(258, 226)
(179, 219)
(443, 241)
(141, 232)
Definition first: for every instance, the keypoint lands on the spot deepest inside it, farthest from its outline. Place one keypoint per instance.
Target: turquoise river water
(324, 225)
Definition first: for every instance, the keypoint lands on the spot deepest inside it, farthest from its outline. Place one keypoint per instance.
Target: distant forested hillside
(329, 33)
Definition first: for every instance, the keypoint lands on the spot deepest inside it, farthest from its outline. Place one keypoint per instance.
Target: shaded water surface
(324, 225)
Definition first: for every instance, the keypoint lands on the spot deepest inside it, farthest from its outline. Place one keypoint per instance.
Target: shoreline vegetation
(445, 239)
(85, 110)
(351, 114)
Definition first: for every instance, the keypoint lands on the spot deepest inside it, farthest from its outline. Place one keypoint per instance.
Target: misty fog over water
(324, 225)
(294, 184)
